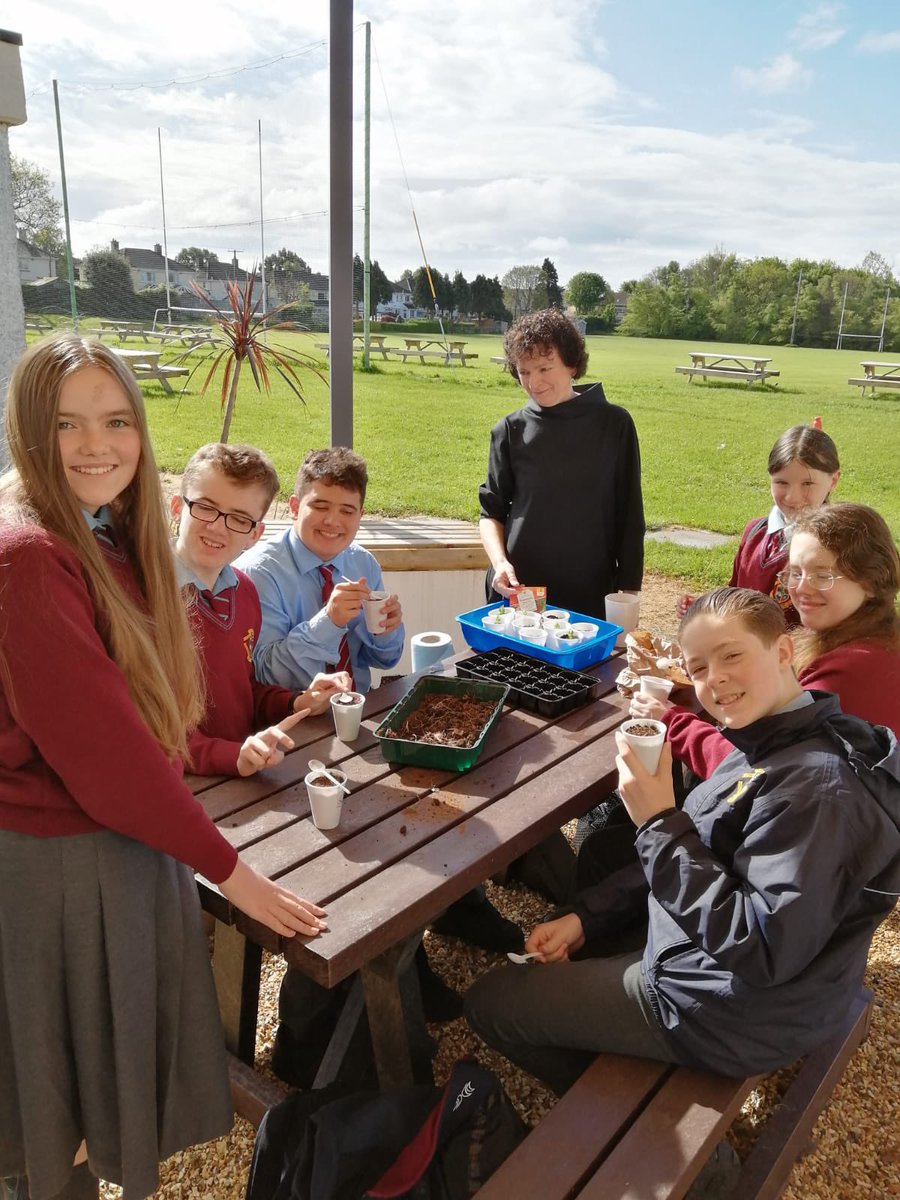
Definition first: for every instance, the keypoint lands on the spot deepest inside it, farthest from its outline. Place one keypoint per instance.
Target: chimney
(114, 245)
(158, 248)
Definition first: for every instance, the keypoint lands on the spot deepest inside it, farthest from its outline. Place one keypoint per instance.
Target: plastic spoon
(315, 765)
(520, 958)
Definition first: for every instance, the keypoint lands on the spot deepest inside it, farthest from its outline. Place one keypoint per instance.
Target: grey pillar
(12, 314)
(340, 267)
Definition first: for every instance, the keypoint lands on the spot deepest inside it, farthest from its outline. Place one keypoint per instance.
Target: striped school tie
(343, 662)
(220, 605)
(105, 535)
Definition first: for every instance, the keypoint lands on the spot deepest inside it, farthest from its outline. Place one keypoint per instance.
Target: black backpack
(416, 1143)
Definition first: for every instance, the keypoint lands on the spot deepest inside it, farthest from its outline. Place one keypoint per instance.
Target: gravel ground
(855, 1148)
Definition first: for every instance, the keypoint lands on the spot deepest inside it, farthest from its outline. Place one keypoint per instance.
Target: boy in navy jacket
(762, 894)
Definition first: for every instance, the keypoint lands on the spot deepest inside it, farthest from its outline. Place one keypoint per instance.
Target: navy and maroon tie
(343, 662)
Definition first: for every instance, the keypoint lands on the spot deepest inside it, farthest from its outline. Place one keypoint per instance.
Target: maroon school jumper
(864, 675)
(756, 566)
(75, 754)
(237, 703)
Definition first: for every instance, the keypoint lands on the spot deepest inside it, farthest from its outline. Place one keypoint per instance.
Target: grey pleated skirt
(109, 1027)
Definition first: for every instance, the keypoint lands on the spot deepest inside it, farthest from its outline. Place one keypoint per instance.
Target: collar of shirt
(800, 701)
(184, 575)
(777, 520)
(100, 519)
(307, 562)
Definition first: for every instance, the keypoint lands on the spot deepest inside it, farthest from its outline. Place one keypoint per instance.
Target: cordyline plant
(239, 339)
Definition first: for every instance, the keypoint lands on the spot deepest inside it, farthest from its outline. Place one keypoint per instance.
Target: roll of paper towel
(429, 648)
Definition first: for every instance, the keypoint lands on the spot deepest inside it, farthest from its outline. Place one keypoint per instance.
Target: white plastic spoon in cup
(520, 958)
(315, 765)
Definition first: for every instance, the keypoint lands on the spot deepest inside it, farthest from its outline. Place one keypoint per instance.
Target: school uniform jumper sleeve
(694, 741)
(70, 699)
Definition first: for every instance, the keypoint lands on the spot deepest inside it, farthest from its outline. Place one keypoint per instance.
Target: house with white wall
(34, 263)
(148, 268)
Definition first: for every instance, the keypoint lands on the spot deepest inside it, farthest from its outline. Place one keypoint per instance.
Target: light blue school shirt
(298, 638)
(184, 575)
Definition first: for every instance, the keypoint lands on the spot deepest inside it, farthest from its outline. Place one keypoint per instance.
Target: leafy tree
(487, 298)
(879, 268)
(196, 257)
(36, 211)
(462, 294)
(523, 290)
(587, 292)
(421, 289)
(551, 284)
(108, 273)
(286, 260)
(380, 287)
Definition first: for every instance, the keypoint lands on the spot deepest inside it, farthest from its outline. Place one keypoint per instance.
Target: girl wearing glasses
(843, 578)
(803, 472)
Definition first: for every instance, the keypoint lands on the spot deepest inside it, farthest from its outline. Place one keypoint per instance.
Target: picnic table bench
(877, 374)
(38, 325)
(122, 330)
(376, 344)
(145, 364)
(718, 364)
(632, 1128)
(419, 348)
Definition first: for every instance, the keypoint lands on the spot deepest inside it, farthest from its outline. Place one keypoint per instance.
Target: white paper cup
(372, 609)
(347, 716)
(533, 634)
(324, 802)
(647, 748)
(624, 610)
(556, 614)
(526, 621)
(659, 689)
(586, 630)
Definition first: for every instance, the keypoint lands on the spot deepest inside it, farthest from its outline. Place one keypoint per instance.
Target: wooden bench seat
(633, 1129)
(874, 381)
(158, 371)
(748, 377)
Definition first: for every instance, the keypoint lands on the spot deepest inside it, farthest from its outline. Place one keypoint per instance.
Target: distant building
(148, 268)
(401, 305)
(34, 263)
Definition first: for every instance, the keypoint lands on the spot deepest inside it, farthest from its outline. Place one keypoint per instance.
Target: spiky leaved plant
(239, 338)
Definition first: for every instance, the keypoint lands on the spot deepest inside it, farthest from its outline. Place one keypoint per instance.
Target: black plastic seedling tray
(537, 686)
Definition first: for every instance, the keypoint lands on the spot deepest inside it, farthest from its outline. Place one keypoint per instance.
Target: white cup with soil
(646, 738)
(325, 798)
(346, 708)
(372, 607)
(623, 609)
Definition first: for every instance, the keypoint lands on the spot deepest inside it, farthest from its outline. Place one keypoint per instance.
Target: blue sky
(610, 136)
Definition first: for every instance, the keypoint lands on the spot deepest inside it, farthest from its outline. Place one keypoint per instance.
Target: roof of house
(224, 270)
(148, 260)
(34, 251)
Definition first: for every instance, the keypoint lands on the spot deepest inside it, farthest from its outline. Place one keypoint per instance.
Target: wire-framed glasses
(822, 581)
(236, 522)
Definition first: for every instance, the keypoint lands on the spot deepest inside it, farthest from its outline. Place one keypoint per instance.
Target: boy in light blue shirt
(313, 579)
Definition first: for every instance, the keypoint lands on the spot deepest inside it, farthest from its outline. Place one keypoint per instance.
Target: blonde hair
(864, 551)
(153, 648)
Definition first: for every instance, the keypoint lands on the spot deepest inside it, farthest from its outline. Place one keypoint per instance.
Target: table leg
(236, 968)
(339, 1044)
(396, 1022)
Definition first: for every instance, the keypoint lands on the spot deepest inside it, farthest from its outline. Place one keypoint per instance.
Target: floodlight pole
(796, 305)
(70, 265)
(841, 326)
(262, 236)
(887, 301)
(162, 195)
(340, 265)
(367, 264)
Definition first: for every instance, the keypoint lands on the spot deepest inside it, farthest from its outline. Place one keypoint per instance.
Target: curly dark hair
(542, 332)
(338, 466)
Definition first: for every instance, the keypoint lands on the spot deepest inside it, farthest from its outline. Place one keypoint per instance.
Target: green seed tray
(427, 754)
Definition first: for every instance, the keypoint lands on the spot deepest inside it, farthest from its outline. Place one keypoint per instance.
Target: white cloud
(880, 43)
(819, 27)
(780, 75)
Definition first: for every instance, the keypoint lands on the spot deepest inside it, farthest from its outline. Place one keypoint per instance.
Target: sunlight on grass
(424, 431)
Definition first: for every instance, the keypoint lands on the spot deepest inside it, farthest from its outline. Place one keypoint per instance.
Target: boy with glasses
(226, 492)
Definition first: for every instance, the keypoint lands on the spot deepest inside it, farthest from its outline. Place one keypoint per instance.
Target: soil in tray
(443, 720)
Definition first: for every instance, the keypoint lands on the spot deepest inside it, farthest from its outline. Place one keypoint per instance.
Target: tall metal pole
(262, 236)
(796, 305)
(367, 265)
(162, 196)
(887, 300)
(70, 265)
(340, 266)
(841, 326)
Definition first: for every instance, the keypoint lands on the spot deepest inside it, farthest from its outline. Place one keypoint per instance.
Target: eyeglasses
(822, 581)
(209, 515)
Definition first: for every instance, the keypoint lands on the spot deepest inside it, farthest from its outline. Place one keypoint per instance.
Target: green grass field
(424, 432)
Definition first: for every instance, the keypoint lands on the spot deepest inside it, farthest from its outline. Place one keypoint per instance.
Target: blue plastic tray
(580, 655)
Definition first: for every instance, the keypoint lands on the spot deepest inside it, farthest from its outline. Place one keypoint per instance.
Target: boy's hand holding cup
(346, 601)
(383, 612)
(650, 701)
(645, 769)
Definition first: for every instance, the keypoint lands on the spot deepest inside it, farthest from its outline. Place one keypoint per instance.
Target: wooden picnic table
(122, 330)
(878, 373)
(420, 348)
(411, 841)
(723, 364)
(145, 364)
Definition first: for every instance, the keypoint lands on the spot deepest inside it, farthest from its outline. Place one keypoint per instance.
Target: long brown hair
(864, 551)
(154, 649)
(810, 446)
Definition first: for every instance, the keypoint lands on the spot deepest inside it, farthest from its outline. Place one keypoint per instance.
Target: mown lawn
(424, 431)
